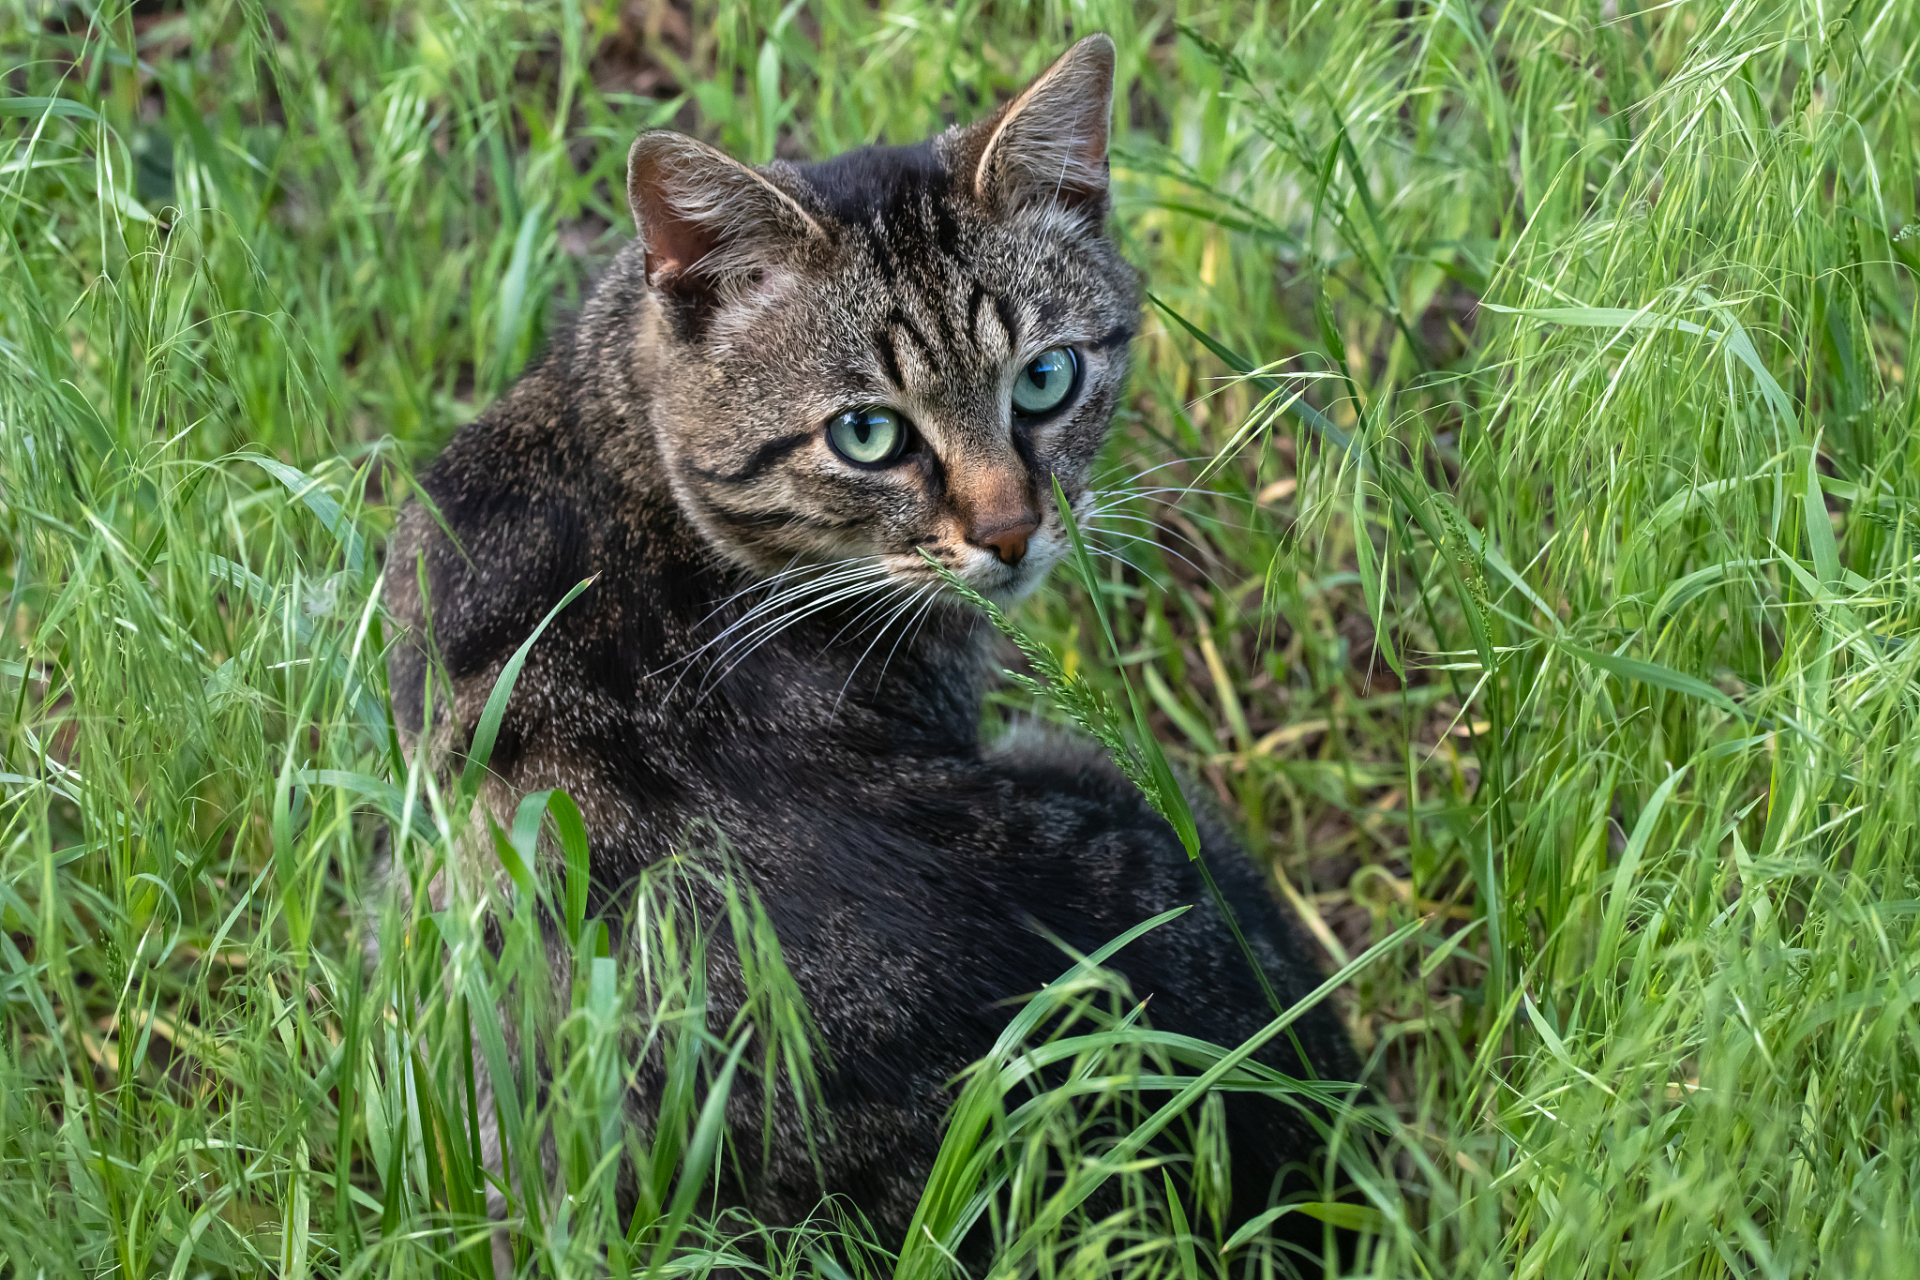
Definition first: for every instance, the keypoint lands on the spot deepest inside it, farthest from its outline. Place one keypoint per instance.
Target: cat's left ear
(704, 217)
(1049, 145)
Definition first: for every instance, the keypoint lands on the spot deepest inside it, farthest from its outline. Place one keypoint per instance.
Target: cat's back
(520, 506)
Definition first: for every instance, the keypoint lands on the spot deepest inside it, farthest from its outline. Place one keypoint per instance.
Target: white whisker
(1162, 549)
(1171, 462)
(782, 593)
(791, 570)
(1162, 525)
(778, 609)
(1115, 555)
(879, 602)
(743, 648)
(793, 592)
(769, 625)
(880, 633)
(1116, 497)
(933, 596)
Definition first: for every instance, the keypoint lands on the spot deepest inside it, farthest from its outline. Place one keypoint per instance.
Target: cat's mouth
(982, 573)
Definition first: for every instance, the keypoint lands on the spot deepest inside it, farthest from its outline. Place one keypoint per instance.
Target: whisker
(1115, 555)
(769, 613)
(1126, 501)
(780, 597)
(771, 579)
(744, 648)
(878, 603)
(880, 633)
(1171, 462)
(1165, 527)
(934, 595)
(853, 572)
(1113, 497)
(1163, 549)
(785, 595)
(925, 613)
(805, 606)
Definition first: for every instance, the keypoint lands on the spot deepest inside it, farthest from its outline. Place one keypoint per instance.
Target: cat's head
(894, 351)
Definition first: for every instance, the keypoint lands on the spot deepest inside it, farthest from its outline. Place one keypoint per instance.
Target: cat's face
(893, 355)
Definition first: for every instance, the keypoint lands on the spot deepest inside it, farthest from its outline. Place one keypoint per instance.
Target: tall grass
(1512, 523)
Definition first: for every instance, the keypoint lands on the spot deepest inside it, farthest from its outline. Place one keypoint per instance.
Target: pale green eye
(1046, 381)
(871, 437)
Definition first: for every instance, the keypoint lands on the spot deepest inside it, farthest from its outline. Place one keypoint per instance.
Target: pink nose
(1008, 540)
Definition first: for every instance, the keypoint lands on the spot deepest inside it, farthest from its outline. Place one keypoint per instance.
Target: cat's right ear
(703, 216)
(1049, 145)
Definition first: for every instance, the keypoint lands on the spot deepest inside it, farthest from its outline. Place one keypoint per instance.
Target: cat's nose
(1008, 540)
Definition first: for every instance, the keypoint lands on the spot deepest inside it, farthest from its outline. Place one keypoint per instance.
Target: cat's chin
(1007, 596)
(1007, 589)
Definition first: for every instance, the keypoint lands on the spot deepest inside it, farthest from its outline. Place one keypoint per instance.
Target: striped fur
(764, 647)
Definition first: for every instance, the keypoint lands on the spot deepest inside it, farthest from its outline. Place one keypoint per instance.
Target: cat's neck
(879, 675)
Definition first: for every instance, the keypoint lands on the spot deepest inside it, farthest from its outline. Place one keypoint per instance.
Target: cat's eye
(871, 437)
(1046, 382)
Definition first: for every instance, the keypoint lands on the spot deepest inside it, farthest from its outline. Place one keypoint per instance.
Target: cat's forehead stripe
(976, 298)
(984, 326)
(914, 358)
(899, 320)
(1003, 315)
(889, 358)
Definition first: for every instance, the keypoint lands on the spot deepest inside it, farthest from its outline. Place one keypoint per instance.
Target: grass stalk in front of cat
(1087, 707)
(1421, 511)
(1136, 753)
(561, 1098)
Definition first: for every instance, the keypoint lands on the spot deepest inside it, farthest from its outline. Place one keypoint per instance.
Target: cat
(798, 384)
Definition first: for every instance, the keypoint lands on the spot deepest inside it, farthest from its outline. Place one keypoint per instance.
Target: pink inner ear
(705, 217)
(674, 245)
(674, 241)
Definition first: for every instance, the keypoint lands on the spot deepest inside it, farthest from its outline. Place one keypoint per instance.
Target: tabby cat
(799, 379)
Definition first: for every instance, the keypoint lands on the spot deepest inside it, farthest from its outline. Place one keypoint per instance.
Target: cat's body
(662, 448)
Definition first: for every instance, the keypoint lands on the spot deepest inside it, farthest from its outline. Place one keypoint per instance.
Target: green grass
(1546, 612)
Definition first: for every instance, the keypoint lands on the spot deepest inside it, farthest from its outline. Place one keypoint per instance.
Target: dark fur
(904, 863)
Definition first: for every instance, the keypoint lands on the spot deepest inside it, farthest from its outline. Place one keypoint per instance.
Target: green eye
(871, 437)
(1046, 381)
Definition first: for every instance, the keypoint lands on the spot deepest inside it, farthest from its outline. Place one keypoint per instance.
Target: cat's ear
(704, 216)
(1050, 143)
